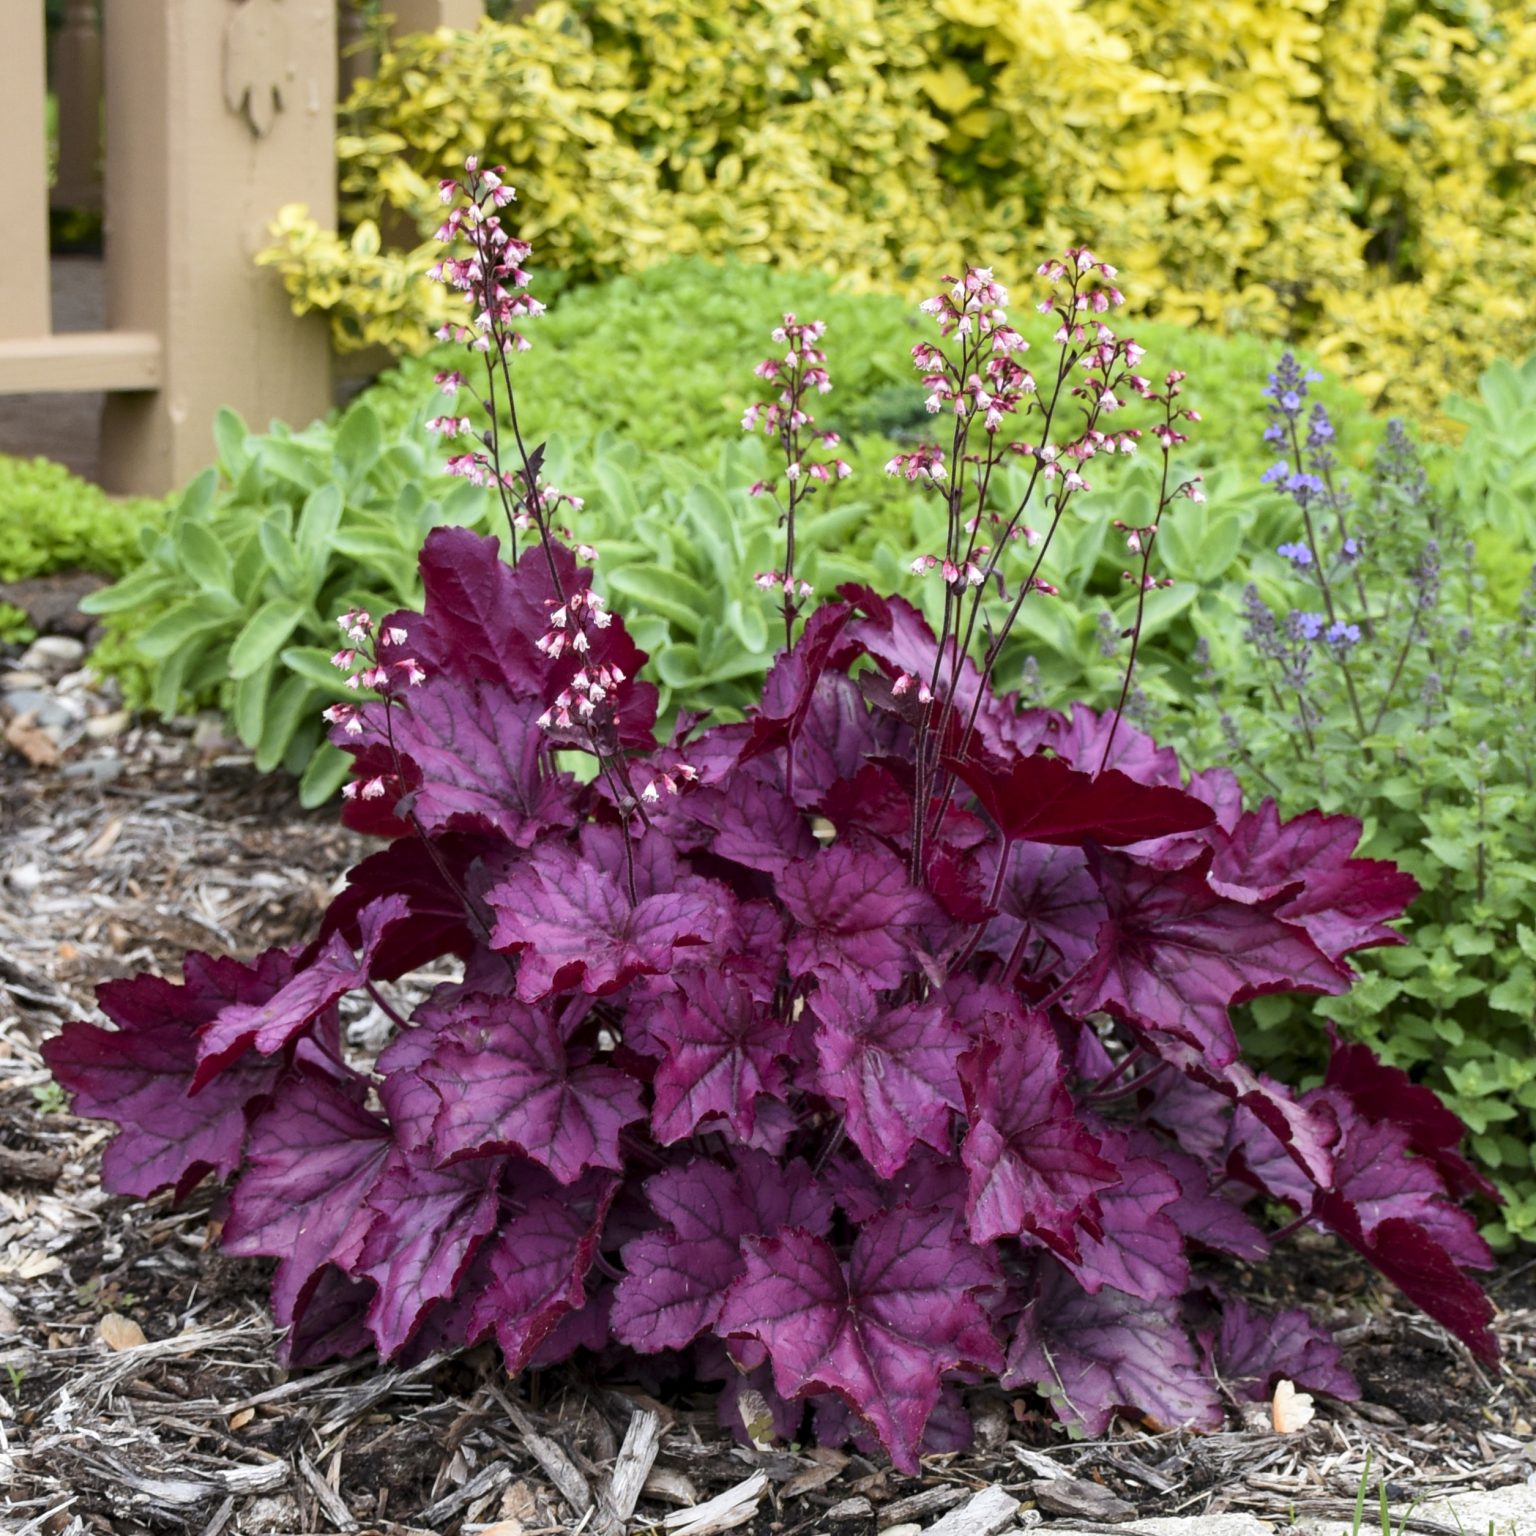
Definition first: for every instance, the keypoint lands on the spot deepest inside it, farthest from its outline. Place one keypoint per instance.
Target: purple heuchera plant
(875, 1044)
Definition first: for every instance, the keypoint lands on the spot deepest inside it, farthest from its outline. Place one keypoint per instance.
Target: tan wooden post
(429, 15)
(218, 113)
(24, 285)
(77, 84)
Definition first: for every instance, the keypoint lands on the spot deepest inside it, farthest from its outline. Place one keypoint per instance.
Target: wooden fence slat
(218, 113)
(24, 285)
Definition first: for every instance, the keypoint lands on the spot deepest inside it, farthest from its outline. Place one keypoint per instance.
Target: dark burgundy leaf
(791, 682)
(507, 1085)
(1173, 955)
(432, 881)
(892, 1070)
(270, 1025)
(1034, 1167)
(1095, 1355)
(856, 914)
(1380, 1092)
(1045, 800)
(879, 1333)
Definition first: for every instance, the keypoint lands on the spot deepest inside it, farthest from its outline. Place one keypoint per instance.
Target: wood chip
(1079, 1497)
(119, 1332)
(327, 1497)
(826, 1467)
(928, 1502)
(983, 1514)
(725, 1511)
(632, 1466)
(850, 1509)
(670, 1486)
(562, 1471)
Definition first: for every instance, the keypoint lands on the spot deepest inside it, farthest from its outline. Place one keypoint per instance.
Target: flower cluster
(798, 372)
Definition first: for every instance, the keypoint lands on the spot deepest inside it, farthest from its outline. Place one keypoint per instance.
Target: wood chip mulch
(139, 1392)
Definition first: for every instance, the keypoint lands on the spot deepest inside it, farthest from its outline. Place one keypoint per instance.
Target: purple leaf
(427, 1225)
(482, 621)
(677, 1275)
(856, 915)
(893, 1070)
(792, 679)
(838, 736)
(1095, 1355)
(315, 1155)
(1081, 739)
(140, 1074)
(1050, 910)
(880, 1332)
(1391, 1206)
(333, 1322)
(1380, 1092)
(538, 1264)
(1251, 1352)
(721, 1055)
(432, 881)
(1137, 1248)
(269, 1026)
(470, 760)
(507, 1085)
(751, 823)
(1202, 1213)
(582, 930)
(1045, 800)
(1344, 903)
(1173, 955)
(1033, 1166)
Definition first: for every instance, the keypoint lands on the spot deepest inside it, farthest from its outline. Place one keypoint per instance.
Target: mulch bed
(196, 1430)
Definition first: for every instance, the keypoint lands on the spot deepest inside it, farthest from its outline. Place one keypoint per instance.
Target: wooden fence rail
(217, 112)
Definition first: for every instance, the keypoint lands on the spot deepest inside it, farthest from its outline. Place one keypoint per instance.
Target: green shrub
(236, 600)
(1355, 173)
(51, 520)
(1423, 725)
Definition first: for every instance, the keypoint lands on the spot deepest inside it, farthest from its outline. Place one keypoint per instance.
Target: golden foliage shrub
(1355, 174)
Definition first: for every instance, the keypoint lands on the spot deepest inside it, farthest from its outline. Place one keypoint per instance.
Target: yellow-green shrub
(1356, 173)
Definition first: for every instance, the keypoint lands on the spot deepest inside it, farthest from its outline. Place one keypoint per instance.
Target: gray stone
(43, 709)
(94, 770)
(25, 878)
(54, 653)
